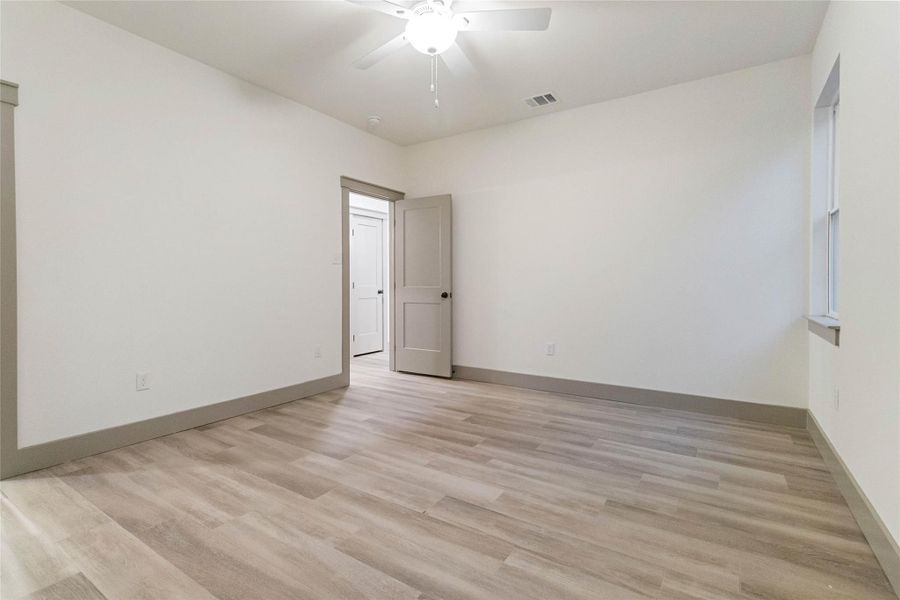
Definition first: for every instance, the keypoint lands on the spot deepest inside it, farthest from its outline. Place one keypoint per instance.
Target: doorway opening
(396, 262)
(367, 215)
(370, 275)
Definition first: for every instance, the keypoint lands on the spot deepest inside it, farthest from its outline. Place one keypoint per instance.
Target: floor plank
(417, 488)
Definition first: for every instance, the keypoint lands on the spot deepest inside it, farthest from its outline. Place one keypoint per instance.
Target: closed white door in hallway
(366, 284)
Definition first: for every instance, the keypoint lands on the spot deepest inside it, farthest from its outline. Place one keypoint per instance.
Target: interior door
(366, 285)
(423, 300)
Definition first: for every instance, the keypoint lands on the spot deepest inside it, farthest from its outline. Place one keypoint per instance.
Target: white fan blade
(388, 8)
(518, 19)
(457, 61)
(382, 51)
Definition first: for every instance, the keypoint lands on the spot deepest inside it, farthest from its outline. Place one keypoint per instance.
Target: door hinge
(353, 285)
(354, 337)
(352, 232)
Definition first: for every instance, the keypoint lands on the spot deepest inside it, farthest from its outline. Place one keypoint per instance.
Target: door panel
(421, 326)
(423, 247)
(366, 284)
(422, 258)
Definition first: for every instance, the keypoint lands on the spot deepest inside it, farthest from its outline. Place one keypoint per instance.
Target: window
(833, 212)
(825, 214)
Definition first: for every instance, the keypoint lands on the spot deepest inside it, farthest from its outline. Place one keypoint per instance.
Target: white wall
(171, 219)
(659, 240)
(865, 429)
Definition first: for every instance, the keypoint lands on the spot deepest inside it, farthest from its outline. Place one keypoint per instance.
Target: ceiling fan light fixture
(431, 33)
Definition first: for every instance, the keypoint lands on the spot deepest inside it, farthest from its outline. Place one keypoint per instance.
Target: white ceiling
(593, 51)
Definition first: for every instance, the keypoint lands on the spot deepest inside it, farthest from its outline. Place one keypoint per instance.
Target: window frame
(832, 210)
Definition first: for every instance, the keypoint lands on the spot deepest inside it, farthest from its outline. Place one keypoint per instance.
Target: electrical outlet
(317, 352)
(550, 349)
(836, 397)
(142, 381)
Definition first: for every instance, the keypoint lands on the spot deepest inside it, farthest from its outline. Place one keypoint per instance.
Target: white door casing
(423, 294)
(366, 284)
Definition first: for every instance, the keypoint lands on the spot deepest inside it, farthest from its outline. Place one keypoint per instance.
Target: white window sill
(827, 328)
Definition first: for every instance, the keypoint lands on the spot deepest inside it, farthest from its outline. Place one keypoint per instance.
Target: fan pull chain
(434, 80)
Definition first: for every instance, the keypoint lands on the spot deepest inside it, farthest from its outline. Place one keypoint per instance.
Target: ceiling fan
(432, 27)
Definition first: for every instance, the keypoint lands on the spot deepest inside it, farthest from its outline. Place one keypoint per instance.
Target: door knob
(380, 291)
(444, 294)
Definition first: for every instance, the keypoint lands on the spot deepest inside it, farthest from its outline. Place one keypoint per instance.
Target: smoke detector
(374, 121)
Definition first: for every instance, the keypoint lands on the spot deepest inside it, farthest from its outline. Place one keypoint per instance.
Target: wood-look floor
(404, 487)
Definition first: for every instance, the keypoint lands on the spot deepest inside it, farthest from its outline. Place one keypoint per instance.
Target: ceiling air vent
(542, 100)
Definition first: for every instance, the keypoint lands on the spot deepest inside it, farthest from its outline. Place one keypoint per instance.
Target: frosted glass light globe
(431, 33)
